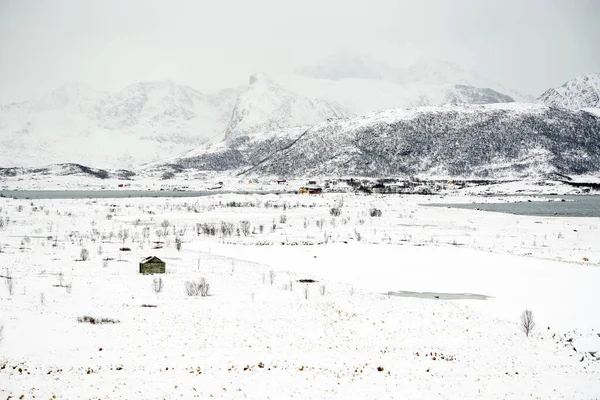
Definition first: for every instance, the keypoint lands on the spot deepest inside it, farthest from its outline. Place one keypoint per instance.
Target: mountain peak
(580, 92)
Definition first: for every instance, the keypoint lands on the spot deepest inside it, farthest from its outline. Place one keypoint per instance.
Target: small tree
(527, 322)
(323, 290)
(271, 276)
(85, 254)
(157, 285)
(178, 243)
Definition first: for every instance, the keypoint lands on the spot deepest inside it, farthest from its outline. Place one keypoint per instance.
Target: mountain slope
(266, 106)
(495, 140)
(138, 124)
(578, 93)
(499, 140)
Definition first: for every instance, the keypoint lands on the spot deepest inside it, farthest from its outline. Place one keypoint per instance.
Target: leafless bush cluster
(527, 322)
(97, 321)
(283, 219)
(197, 288)
(245, 227)
(157, 285)
(227, 229)
(335, 211)
(178, 243)
(206, 229)
(323, 290)
(84, 255)
(374, 212)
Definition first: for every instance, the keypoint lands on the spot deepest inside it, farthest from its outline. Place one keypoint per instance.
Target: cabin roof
(151, 258)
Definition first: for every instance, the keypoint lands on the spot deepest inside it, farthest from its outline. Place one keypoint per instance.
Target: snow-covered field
(342, 336)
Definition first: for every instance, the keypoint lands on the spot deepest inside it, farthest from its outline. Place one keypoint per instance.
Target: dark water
(573, 206)
(437, 295)
(110, 194)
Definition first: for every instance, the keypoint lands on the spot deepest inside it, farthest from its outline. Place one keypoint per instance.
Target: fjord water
(547, 206)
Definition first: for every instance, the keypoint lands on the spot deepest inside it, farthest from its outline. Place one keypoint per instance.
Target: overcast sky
(528, 45)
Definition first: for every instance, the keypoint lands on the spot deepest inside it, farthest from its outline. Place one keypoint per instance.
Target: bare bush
(335, 211)
(322, 289)
(42, 299)
(165, 225)
(272, 276)
(157, 285)
(282, 219)
(527, 322)
(178, 243)
(374, 212)
(10, 283)
(197, 288)
(84, 255)
(97, 321)
(245, 227)
(306, 292)
(291, 286)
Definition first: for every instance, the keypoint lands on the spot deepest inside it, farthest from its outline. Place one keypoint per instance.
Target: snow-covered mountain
(499, 140)
(426, 75)
(144, 122)
(266, 106)
(578, 93)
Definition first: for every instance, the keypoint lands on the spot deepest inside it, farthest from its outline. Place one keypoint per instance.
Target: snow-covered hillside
(144, 122)
(578, 93)
(266, 106)
(499, 140)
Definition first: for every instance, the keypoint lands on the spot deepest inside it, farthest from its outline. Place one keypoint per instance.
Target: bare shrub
(291, 286)
(245, 227)
(282, 219)
(527, 322)
(335, 211)
(10, 283)
(157, 285)
(306, 292)
(97, 321)
(264, 278)
(165, 225)
(351, 290)
(42, 298)
(178, 243)
(322, 289)
(272, 276)
(197, 288)
(84, 255)
(374, 212)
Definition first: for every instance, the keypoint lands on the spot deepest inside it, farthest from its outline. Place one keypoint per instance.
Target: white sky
(528, 45)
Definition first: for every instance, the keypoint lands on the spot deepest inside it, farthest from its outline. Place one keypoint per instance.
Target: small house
(311, 190)
(152, 265)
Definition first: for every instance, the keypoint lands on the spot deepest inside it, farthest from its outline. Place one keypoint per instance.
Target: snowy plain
(343, 336)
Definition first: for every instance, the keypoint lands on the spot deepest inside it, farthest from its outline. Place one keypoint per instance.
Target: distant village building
(152, 265)
(311, 190)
